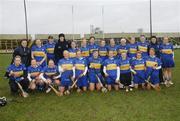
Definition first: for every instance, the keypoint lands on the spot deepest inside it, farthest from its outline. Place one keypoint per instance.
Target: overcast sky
(55, 16)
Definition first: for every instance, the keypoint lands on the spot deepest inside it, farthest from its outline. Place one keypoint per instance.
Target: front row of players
(91, 73)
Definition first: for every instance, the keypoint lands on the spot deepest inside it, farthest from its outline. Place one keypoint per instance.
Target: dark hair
(153, 37)
(50, 37)
(61, 35)
(91, 37)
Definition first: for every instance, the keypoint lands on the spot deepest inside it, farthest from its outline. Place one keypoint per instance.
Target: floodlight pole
(103, 21)
(25, 16)
(150, 18)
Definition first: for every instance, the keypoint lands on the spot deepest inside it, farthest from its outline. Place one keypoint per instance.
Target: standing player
(34, 72)
(125, 72)
(103, 50)
(143, 46)
(95, 64)
(138, 69)
(113, 47)
(132, 50)
(50, 75)
(123, 47)
(38, 52)
(153, 64)
(50, 45)
(167, 58)
(81, 68)
(92, 46)
(84, 49)
(17, 73)
(67, 72)
(72, 50)
(111, 71)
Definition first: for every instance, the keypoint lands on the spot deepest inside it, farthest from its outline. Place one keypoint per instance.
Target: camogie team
(103, 67)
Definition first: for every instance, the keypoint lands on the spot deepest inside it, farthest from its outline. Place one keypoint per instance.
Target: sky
(112, 16)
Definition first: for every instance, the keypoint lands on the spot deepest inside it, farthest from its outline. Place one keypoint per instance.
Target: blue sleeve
(9, 68)
(33, 48)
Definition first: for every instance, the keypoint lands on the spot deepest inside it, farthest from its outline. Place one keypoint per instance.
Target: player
(84, 49)
(125, 71)
(143, 46)
(111, 71)
(132, 50)
(138, 69)
(153, 64)
(50, 45)
(50, 75)
(34, 72)
(92, 46)
(167, 58)
(103, 50)
(81, 69)
(38, 52)
(95, 64)
(67, 72)
(17, 74)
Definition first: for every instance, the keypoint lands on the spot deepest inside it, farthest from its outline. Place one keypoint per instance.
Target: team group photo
(89, 60)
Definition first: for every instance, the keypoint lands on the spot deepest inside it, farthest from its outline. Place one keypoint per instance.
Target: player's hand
(106, 75)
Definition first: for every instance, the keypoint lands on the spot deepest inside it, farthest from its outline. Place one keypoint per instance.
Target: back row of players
(115, 65)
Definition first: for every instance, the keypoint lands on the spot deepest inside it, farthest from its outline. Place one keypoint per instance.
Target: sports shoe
(48, 90)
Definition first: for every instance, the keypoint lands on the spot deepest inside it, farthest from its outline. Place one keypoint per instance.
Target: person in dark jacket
(60, 46)
(24, 52)
(154, 44)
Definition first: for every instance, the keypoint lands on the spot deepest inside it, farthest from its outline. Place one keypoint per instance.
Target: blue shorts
(167, 62)
(139, 78)
(82, 82)
(110, 80)
(93, 78)
(65, 82)
(154, 79)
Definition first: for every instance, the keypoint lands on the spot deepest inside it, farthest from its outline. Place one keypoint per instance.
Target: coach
(60, 46)
(24, 52)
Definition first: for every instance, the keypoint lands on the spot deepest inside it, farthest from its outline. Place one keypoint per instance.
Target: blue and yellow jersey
(152, 61)
(34, 71)
(124, 65)
(138, 65)
(85, 52)
(92, 47)
(80, 65)
(94, 65)
(50, 72)
(143, 47)
(111, 65)
(67, 65)
(166, 50)
(114, 49)
(123, 49)
(38, 52)
(132, 50)
(72, 52)
(17, 70)
(50, 50)
(103, 52)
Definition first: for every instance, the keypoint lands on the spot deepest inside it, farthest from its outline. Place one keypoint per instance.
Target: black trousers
(14, 87)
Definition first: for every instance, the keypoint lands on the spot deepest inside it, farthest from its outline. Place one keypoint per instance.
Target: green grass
(114, 106)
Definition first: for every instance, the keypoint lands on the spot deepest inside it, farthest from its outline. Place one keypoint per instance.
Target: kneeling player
(17, 75)
(94, 74)
(50, 75)
(111, 71)
(138, 69)
(67, 72)
(34, 72)
(125, 72)
(81, 68)
(153, 65)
